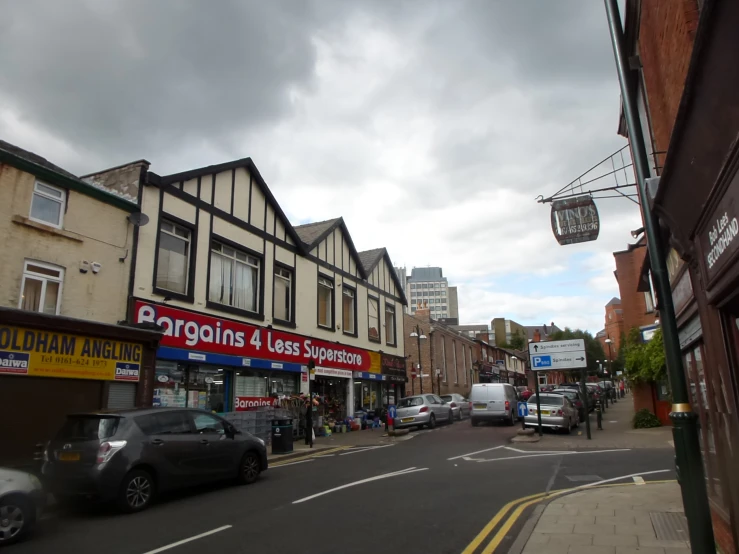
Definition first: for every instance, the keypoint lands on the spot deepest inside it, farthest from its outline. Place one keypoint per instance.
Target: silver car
(557, 412)
(493, 402)
(21, 501)
(461, 407)
(420, 410)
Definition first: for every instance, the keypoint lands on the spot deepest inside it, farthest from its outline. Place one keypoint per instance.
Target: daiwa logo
(14, 362)
(126, 372)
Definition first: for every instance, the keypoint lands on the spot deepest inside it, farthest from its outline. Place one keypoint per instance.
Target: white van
(493, 402)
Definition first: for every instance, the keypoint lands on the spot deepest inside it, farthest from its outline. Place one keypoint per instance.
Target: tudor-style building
(250, 302)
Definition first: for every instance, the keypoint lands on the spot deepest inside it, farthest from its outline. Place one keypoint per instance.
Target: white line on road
(355, 483)
(473, 453)
(533, 451)
(184, 541)
(639, 480)
(291, 464)
(365, 449)
(597, 483)
(565, 453)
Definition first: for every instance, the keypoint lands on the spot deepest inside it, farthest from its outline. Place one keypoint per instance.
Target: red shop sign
(249, 403)
(211, 334)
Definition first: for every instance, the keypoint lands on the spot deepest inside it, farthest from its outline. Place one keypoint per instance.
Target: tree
(518, 342)
(644, 362)
(593, 348)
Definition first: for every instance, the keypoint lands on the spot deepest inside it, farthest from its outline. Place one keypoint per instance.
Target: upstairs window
(283, 294)
(349, 310)
(373, 310)
(173, 261)
(390, 324)
(41, 289)
(234, 278)
(47, 205)
(325, 302)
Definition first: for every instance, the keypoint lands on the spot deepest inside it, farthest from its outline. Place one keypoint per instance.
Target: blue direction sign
(392, 412)
(523, 409)
(541, 361)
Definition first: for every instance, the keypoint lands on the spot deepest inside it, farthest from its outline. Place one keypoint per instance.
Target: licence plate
(69, 457)
(545, 412)
(481, 406)
(406, 419)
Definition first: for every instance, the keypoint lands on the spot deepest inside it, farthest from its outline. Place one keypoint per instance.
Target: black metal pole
(420, 366)
(584, 392)
(684, 419)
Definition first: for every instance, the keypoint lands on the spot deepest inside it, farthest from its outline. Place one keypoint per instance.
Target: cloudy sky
(430, 126)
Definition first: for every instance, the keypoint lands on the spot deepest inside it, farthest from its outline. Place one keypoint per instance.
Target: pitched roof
(35, 158)
(313, 233)
(370, 258)
(614, 301)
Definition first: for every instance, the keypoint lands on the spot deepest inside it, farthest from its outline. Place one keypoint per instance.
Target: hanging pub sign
(575, 220)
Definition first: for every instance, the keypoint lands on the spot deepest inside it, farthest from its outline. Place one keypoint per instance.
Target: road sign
(557, 346)
(392, 412)
(558, 354)
(523, 409)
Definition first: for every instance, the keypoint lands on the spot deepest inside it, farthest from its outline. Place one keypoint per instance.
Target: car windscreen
(448, 398)
(88, 427)
(572, 395)
(549, 399)
(412, 401)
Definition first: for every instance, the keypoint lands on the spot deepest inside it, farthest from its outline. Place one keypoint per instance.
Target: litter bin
(282, 436)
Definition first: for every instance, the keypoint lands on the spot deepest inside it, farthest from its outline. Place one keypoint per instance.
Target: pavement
(455, 489)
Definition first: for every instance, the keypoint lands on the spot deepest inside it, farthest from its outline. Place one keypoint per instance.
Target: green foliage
(644, 362)
(644, 419)
(593, 348)
(518, 342)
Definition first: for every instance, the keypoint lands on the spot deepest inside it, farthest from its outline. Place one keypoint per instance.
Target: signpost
(523, 411)
(575, 220)
(391, 413)
(560, 354)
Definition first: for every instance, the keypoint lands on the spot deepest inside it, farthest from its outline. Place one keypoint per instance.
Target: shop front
(393, 371)
(488, 373)
(89, 366)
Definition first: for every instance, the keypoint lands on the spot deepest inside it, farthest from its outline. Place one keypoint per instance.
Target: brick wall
(410, 323)
(666, 33)
(633, 303)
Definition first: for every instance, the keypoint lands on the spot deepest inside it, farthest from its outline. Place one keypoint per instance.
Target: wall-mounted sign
(48, 354)
(575, 220)
(718, 239)
(249, 403)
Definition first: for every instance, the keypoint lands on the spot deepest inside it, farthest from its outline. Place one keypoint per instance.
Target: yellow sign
(48, 354)
(375, 362)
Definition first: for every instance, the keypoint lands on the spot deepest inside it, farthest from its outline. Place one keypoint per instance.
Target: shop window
(207, 424)
(41, 289)
(349, 310)
(373, 311)
(283, 286)
(173, 257)
(234, 278)
(390, 324)
(48, 204)
(325, 302)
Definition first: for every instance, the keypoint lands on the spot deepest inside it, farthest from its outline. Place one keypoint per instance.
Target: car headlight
(260, 440)
(35, 481)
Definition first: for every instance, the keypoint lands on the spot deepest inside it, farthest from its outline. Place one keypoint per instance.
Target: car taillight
(507, 405)
(560, 413)
(452, 404)
(108, 449)
(423, 410)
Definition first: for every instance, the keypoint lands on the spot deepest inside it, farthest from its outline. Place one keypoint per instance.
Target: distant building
(543, 331)
(429, 288)
(614, 327)
(505, 330)
(473, 331)
(403, 278)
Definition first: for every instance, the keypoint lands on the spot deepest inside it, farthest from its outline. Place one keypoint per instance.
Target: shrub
(644, 419)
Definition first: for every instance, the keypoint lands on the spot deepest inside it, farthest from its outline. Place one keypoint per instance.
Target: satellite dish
(138, 219)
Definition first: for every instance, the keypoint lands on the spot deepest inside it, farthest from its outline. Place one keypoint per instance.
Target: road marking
(563, 453)
(325, 456)
(533, 451)
(639, 480)
(292, 463)
(365, 449)
(355, 483)
(185, 541)
(472, 453)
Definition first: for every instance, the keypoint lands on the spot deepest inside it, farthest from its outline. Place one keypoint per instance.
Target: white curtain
(245, 286)
(220, 279)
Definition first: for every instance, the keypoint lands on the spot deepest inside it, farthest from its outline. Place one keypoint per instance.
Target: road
(452, 482)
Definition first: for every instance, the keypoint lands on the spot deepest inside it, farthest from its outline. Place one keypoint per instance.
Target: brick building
(613, 328)
(637, 305)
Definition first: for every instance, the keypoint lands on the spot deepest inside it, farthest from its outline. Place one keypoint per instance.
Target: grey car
(461, 407)
(557, 412)
(420, 410)
(22, 499)
(129, 456)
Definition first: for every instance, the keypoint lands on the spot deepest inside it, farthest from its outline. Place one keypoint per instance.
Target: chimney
(537, 336)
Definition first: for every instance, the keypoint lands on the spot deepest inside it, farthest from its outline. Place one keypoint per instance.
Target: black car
(129, 456)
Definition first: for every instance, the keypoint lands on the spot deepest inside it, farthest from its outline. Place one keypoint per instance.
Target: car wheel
(512, 420)
(249, 469)
(137, 491)
(16, 519)
(432, 421)
(460, 415)
(450, 419)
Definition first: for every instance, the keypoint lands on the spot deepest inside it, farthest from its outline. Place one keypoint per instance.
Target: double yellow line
(520, 504)
(308, 456)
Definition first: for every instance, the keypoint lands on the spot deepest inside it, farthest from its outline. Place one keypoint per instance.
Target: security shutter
(121, 396)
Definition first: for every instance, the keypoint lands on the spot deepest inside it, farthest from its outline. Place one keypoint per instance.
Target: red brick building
(637, 306)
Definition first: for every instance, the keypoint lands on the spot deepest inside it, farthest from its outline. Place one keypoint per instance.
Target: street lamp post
(418, 335)
(610, 363)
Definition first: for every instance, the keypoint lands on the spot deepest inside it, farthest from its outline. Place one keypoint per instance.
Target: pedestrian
(309, 421)
(622, 386)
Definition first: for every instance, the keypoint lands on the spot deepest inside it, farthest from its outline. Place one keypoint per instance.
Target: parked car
(422, 409)
(557, 412)
(547, 388)
(461, 407)
(22, 500)
(610, 389)
(597, 391)
(493, 402)
(575, 397)
(590, 392)
(129, 456)
(523, 393)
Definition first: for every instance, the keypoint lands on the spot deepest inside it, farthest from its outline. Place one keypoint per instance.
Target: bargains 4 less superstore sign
(39, 353)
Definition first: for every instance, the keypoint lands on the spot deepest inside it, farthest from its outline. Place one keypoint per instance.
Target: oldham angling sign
(48, 354)
(575, 220)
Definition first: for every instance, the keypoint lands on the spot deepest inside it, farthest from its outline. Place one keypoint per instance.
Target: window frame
(443, 357)
(62, 201)
(259, 314)
(291, 321)
(332, 309)
(345, 287)
(391, 305)
(376, 300)
(189, 295)
(44, 279)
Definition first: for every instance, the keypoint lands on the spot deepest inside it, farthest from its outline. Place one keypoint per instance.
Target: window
(456, 370)
(349, 310)
(389, 324)
(283, 294)
(373, 310)
(648, 301)
(234, 278)
(443, 356)
(165, 423)
(207, 424)
(173, 261)
(47, 204)
(41, 289)
(325, 302)
(464, 364)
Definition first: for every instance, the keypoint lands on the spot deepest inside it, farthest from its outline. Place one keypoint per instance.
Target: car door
(218, 454)
(435, 405)
(445, 410)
